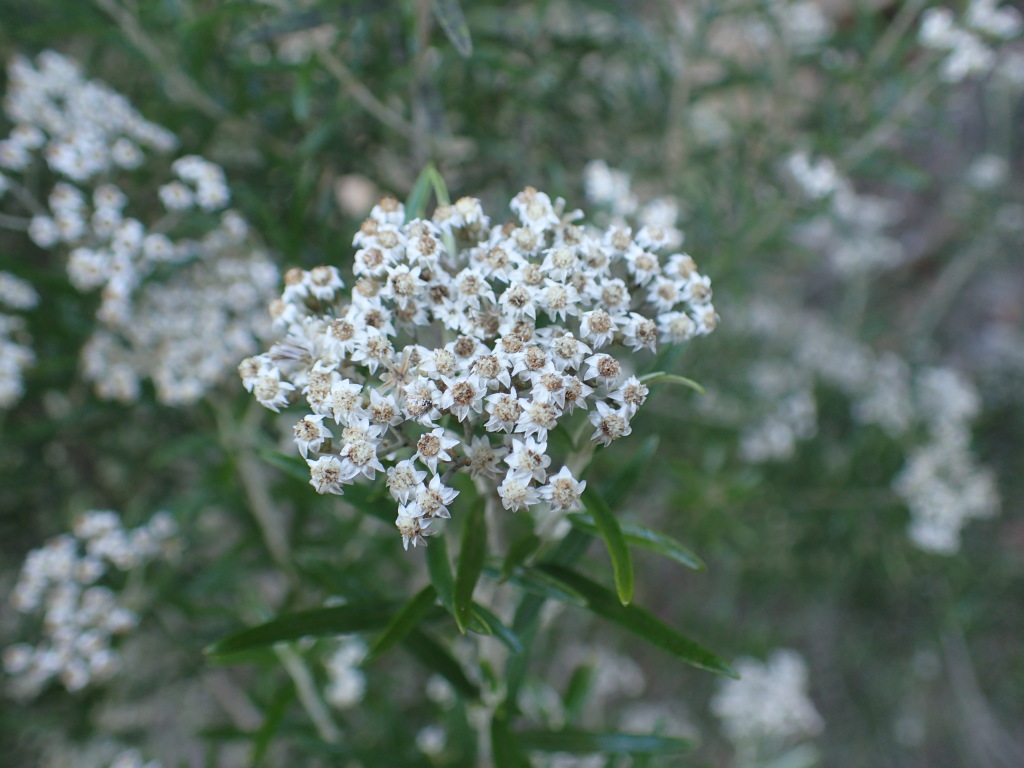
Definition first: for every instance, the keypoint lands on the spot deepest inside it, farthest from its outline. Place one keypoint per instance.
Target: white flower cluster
(15, 353)
(942, 483)
(968, 41)
(346, 681)
(185, 334)
(80, 615)
(769, 702)
(801, 24)
(929, 411)
(503, 330)
(852, 234)
(611, 189)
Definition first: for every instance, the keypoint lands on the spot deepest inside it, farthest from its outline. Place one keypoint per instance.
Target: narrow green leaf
(434, 656)
(370, 500)
(660, 377)
(608, 525)
(407, 619)
(585, 742)
(472, 554)
(540, 584)
(577, 691)
(293, 466)
(618, 488)
(275, 714)
(498, 628)
(440, 569)
(416, 203)
(338, 620)
(449, 15)
(518, 552)
(504, 748)
(639, 536)
(639, 621)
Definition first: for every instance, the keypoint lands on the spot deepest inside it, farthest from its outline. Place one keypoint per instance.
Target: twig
(308, 696)
(364, 97)
(179, 85)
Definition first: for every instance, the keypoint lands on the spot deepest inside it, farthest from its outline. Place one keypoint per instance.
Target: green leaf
(660, 377)
(407, 619)
(518, 552)
(618, 488)
(585, 742)
(608, 525)
(449, 15)
(440, 569)
(504, 747)
(639, 536)
(416, 203)
(275, 714)
(435, 657)
(293, 466)
(540, 584)
(498, 628)
(577, 690)
(370, 500)
(472, 554)
(338, 620)
(639, 621)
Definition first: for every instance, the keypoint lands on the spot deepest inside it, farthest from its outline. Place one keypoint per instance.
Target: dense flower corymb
(462, 346)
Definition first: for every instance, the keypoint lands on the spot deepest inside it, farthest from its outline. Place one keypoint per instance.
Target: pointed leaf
(639, 621)
(518, 552)
(472, 554)
(540, 584)
(293, 466)
(407, 619)
(449, 15)
(608, 525)
(416, 203)
(498, 628)
(626, 478)
(338, 620)
(585, 742)
(504, 747)
(639, 536)
(431, 654)
(440, 569)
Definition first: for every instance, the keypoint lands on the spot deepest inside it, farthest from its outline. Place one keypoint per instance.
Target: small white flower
(433, 446)
(434, 498)
(412, 525)
(310, 434)
(516, 492)
(611, 424)
(271, 391)
(563, 491)
(328, 475)
(529, 458)
(404, 480)
(631, 395)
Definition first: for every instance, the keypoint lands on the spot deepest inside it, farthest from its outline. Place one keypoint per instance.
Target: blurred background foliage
(316, 108)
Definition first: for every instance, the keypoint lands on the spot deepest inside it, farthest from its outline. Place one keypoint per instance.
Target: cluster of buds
(499, 332)
(64, 581)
